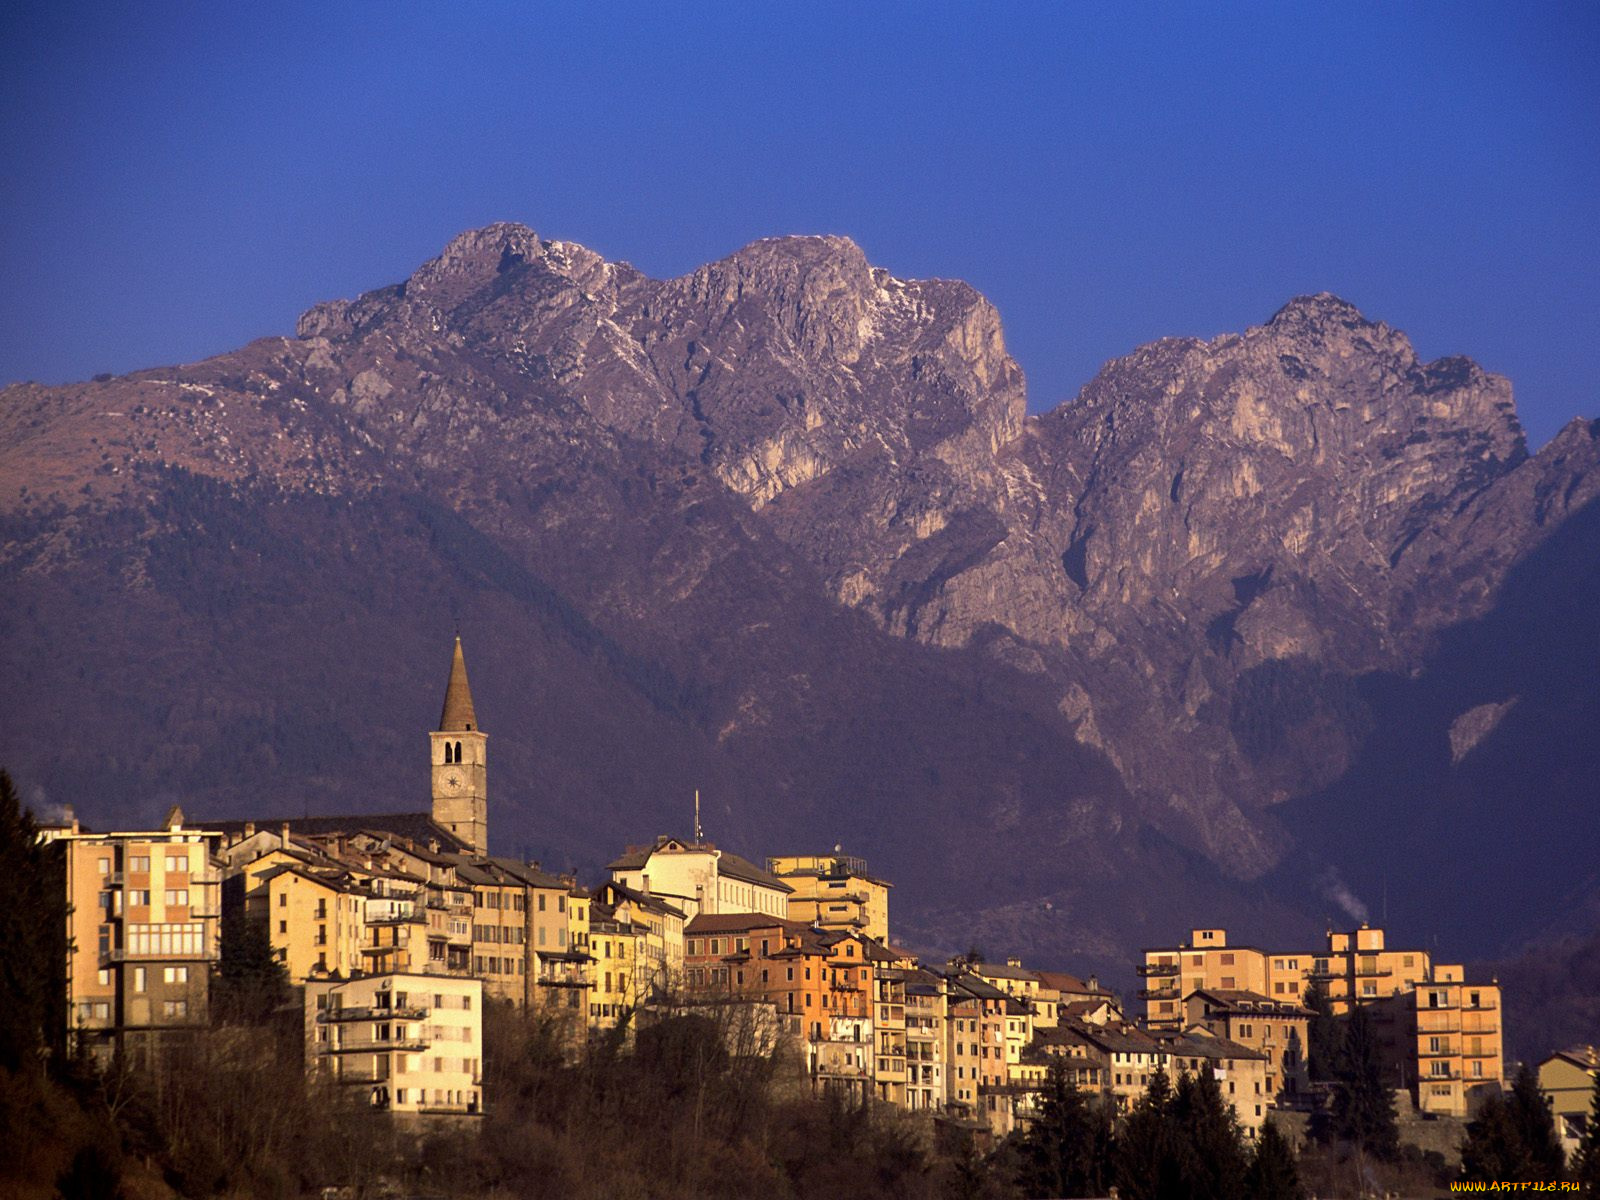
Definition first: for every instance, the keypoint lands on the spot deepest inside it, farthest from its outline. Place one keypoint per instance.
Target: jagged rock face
(795, 505)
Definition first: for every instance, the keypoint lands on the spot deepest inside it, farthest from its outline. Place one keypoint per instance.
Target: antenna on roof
(697, 835)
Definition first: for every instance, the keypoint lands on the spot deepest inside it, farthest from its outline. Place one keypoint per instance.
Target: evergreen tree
(1514, 1137)
(33, 934)
(251, 981)
(1324, 1036)
(1148, 1156)
(1274, 1174)
(1212, 1147)
(1065, 1151)
(1530, 1112)
(1493, 1149)
(1363, 1105)
(1586, 1161)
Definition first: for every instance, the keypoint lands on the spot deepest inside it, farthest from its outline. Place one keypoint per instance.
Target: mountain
(1248, 627)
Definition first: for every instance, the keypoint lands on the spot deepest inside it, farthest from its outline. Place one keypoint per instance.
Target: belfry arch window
(458, 751)
(449, 754)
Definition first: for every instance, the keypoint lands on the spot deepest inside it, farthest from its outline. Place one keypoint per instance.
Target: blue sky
(177, 179)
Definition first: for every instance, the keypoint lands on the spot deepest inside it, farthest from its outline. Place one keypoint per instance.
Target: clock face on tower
(452, 781)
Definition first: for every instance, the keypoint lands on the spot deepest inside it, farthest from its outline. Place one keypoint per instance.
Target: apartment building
(697, 878)
(927, 1009)
(142, 932)
(1443, 1041)
(1356, 965)
(405, 1043)
(889, 1073)
(1275, 1029)
(834, 891)
(1206, 960)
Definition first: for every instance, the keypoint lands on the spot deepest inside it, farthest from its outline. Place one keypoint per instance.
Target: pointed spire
(458, 715)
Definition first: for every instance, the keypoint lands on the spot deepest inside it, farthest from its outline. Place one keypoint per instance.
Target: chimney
(283, 835)
(1014, 962)
(644, 885)
(249, 829)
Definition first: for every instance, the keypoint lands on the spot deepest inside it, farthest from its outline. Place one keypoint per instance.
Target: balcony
(377, 1046)
(1158, 969)
(119, 954)
(1161, 993)
(373, 1013)
(366, 1075)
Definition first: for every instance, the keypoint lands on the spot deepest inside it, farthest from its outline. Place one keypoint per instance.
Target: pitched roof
(742, 868)
(418, 827)
(1004, 971)
(1062, 982)
(740, 922)
(1238, 1000)
(728, 863)
(1206, 1047)
(458, 715)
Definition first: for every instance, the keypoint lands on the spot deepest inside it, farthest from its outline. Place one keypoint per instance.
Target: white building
(412, 1043)
(698, 878)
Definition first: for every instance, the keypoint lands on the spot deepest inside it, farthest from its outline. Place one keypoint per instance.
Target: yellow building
(1275, 1029)
(1443, 1041)
(1358, 965)
(142, 929)
(1566, 1079)
(1353, 964)
(1240, 1072)
(614, 946)
(1205, 961)
(660, 926)
(317, 922)
(834, 891)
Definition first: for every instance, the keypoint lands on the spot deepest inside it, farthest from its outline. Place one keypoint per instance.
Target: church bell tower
(460, 763)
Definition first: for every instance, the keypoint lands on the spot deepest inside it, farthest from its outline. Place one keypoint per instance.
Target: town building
(142, 933)
(834, 891)
(1240, 1072)
(1442, 1041)
(697, 878)
(1276, 1029)
(1566, 1080)
(407, 1044)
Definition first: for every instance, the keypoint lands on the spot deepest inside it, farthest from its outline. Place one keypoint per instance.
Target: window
(177, 862)
(138, 979)
(174, 1009)
(138, 897)
(139, 862)
(561, 904)
(177, 897)
(175, 975)
(104, 866)
(541, 901)
(103, 977)
(283, 899)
